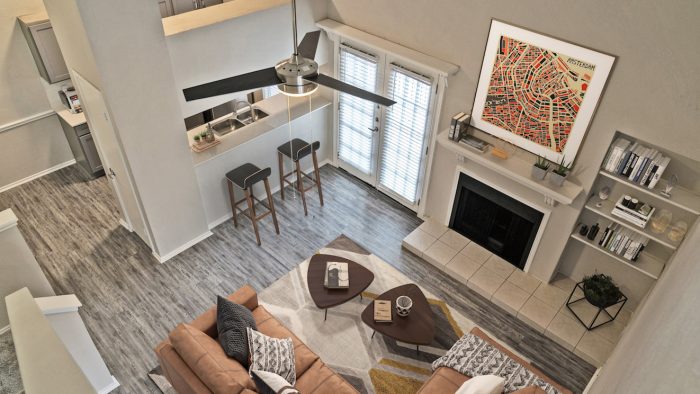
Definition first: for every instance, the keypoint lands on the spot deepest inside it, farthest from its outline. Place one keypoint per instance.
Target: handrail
(27, 120)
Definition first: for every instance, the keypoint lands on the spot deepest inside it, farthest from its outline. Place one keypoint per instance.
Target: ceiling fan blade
(307, 46)
(248, 81)
(353, 90)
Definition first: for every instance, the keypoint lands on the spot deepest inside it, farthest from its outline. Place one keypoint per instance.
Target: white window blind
(355, 115)
(405, 129)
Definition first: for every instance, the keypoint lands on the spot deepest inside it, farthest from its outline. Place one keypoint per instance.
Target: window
(404, 133)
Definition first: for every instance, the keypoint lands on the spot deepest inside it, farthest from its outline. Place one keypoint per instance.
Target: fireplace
(494, 220)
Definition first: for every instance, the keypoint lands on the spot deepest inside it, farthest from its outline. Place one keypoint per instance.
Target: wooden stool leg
(317, 175)
(232, 197)
(280, 161)
(272, 205)
(300, 186)
(251, 212)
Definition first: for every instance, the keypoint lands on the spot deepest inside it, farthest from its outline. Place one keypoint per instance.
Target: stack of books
(458, 127)
(638, 215)
(623, 242)
(382, 311)
(337, 276)
(638, 163)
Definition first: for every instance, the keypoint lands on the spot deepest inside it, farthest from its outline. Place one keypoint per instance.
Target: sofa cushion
(270, 326)
(483, 384)
(272, 355)
(232, 320)
(208, 361)
(271, 383)
(319, 379)
(443, 381)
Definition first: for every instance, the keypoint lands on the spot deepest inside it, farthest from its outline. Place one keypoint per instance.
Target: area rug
(344, 342)
(10, 380)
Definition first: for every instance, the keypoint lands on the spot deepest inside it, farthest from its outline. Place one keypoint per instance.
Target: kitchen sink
(226, 126)
(233, 123)
(246, 118)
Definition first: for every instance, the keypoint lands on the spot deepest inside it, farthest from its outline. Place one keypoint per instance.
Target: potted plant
(558, 175)
(197, 139)
(600, 290)
(540, 168)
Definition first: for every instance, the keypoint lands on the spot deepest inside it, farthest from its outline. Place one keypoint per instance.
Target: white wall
(39, 145)
(238, 46)
(652, 92)
(659, 351)
(18, 267)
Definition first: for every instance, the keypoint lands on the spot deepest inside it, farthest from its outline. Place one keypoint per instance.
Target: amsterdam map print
(536, 93)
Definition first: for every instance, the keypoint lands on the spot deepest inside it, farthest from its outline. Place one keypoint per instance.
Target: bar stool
(245, 177)
(296, 150)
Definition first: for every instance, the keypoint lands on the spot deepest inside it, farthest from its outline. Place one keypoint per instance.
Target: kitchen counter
(275, 107)
(72, 119)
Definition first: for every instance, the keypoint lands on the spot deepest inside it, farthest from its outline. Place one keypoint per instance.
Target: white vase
(556, 179)
(538, 173)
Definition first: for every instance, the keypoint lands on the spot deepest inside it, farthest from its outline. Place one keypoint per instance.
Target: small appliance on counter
(69, 98)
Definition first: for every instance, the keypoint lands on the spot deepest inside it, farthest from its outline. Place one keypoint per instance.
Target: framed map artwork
(538, 92)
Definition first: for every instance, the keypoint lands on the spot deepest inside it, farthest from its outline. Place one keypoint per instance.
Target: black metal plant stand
(591, 325)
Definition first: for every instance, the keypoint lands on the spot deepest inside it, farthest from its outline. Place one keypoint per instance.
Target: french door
(385, 147)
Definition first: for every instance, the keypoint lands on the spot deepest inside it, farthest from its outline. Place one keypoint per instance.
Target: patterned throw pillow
(232, 320)
(271, 383)
(272, 355)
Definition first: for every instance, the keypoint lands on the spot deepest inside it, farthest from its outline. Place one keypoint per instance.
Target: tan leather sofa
(194, 362)
(447, 380)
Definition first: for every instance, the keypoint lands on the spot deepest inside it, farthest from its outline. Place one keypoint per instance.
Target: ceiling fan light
(298, 90)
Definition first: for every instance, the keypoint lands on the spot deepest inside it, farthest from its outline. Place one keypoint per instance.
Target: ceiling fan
(296, 76)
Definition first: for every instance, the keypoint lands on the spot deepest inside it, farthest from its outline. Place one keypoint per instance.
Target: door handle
(374, 130)
(112, 174)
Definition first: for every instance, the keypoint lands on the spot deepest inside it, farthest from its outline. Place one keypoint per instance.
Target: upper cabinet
(174, 7)
(44, 47)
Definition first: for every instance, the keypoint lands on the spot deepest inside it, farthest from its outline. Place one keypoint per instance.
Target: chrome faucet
(197, 4)
(236, 105)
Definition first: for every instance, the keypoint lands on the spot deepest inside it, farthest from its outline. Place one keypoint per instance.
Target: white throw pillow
(483, 384)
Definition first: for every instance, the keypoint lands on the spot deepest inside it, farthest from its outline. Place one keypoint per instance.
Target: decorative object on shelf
(677, 231)
(583, 230)
(499, 152)
(600, 291)
(540, 168)
(660, 222)
(638, 163)
(633, 211)
(559, 174)
(558, 84)
(669, 186)
(209, 134)
(604, 193)
(593, 232)
(403, 305)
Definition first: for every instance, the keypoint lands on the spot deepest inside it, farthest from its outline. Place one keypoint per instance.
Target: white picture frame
(602, 63)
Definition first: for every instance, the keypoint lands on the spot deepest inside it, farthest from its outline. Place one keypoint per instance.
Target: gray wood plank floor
(131, 302)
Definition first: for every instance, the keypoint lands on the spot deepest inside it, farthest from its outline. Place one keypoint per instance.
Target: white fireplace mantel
(516, 169)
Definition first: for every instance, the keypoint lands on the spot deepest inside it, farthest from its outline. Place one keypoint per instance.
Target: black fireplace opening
(494, 220)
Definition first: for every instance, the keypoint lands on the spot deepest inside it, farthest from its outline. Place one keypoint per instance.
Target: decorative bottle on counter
(209, 134)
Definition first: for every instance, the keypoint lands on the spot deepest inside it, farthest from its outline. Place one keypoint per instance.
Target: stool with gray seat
(296, 150)
(245, 177)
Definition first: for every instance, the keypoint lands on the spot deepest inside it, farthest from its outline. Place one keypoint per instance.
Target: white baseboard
(37, 175)
(4, 329)
(126, 225)
(273, 190)
(182, 248)
(109, 387)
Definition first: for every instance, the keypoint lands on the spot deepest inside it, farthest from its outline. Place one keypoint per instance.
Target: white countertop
(275, 107)
(72, 119)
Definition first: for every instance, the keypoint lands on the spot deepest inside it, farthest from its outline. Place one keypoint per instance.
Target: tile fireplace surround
(538, 304)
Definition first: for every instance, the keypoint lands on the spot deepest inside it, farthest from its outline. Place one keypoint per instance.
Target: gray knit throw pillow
(232, 320)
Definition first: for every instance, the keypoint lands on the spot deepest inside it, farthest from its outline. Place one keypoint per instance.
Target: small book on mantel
(382, 311)
(337, 276)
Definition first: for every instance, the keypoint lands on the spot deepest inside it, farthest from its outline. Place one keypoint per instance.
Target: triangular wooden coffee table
(324, 298)
(418, 328)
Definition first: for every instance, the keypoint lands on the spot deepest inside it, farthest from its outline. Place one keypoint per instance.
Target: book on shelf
(637, 216)
(382, 311)
(337, 276)
(474, 143)
(453, 125)
(635, 162)
(622, 242)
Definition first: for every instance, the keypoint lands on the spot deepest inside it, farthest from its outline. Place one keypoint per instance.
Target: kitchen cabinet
(44, 47)
(81, 143)
(174, 7)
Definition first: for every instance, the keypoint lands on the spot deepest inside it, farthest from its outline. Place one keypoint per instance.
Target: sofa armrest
(206, 322)
(178, 373)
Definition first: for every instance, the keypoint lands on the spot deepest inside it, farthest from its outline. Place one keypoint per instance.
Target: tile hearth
(540, 305)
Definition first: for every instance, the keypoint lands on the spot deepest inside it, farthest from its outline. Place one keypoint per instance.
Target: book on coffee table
(337, 276)
(382, 311)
